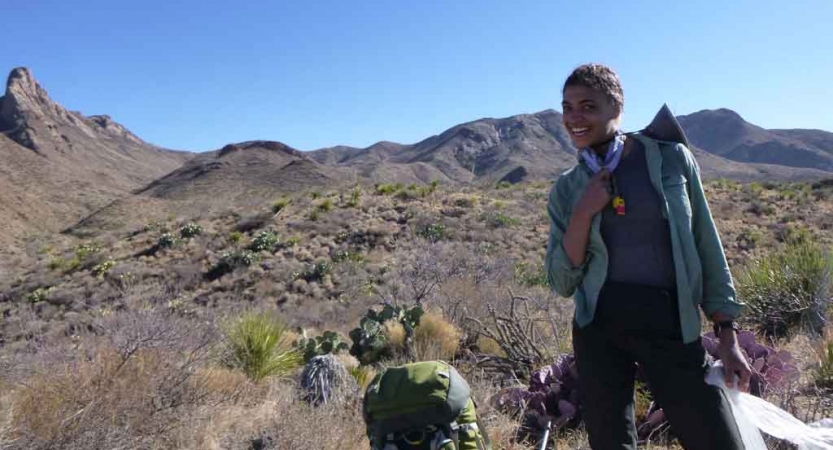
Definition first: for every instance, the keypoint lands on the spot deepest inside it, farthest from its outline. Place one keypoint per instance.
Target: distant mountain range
(59, 168)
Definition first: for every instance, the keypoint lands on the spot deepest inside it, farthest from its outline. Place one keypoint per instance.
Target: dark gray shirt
(639, 242)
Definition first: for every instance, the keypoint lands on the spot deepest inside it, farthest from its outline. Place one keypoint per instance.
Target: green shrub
(530, 275)
(387, 189)
(190, 230)
(264, 240)
(761, 208)
(326, 205)
(503, 185)
(433, 232)
(56, 263)
(229, 261)
(235, 237)
(39, 295)
(279, 205)
(167, 240)
(464, 202)
(328, 343)
(315, 195)
(499, 220)
(345, 255)
(355, 197)
(293, 241)
(83, 254)
(101, 269)
(788, 290)
(258, 346)
(407, 195)
(794, 234)
(316, 272)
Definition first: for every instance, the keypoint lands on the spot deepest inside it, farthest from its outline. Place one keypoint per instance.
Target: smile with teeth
(579, 131)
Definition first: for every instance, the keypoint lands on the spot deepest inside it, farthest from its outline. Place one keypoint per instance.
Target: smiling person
(633, 241)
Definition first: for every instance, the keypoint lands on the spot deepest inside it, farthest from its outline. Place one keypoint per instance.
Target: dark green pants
(640, 324)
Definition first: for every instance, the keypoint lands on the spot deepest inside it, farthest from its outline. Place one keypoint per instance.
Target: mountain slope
(56, 166)
(724, 132)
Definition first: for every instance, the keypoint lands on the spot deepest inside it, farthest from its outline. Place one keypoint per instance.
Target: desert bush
(167, 240)
(788, 290)
(235, 237)
(530, 275)
(436, 338)
(432, 231)
(264, 240)
(101, 269)
(355, 197)
(315, 272)
(230, 261)
(499, 220)
(387, 189)
(280, 204)
(135, 386)
(503, 185)
(761, 207)
(256, 345)
(346, 255)
(793, 234)
(85, 255)
(39, 295)
(464, 202)
(325, 205)
(190, 230)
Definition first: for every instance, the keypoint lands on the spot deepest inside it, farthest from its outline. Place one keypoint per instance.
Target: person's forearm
(576, 237)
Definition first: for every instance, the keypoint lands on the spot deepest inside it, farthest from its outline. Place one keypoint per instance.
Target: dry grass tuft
(395, 335)
(436, 338)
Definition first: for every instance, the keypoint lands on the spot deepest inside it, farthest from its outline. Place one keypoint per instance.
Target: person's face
(589, 116)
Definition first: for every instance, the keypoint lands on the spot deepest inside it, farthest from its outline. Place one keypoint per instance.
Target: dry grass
(436, 338)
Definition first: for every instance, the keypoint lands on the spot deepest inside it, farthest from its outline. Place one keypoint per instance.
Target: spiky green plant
(788, 290)
(258, 346)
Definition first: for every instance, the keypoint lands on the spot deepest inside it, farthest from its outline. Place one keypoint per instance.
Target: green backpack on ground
(426, 406)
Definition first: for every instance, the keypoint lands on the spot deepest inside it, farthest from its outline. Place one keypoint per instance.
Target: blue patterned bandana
(611, 159)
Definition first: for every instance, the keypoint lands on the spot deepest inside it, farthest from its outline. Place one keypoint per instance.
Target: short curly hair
(599, 77)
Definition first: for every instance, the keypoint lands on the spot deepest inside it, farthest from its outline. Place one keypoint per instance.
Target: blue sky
(196, 75)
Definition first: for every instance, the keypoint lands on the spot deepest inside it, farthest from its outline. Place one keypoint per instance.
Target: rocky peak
(25, 100)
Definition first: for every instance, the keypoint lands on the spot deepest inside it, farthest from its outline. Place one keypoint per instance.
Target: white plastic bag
(755, 415)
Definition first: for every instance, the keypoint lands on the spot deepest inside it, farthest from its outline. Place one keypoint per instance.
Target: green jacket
(703, 277)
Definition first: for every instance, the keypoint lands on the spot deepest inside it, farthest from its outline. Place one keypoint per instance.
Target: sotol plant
(256, 345)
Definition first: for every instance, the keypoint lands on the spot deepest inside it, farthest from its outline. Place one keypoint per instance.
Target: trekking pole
(546, 436)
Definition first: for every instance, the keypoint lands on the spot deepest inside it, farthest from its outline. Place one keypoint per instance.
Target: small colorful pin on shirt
(619, 205)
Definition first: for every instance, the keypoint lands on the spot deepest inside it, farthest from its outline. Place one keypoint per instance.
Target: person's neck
(601, 148)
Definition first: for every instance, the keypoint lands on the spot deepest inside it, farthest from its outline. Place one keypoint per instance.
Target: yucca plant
(788, 291)
(258, 346)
